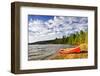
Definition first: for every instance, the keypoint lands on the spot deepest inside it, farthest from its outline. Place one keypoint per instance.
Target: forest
(74, 39)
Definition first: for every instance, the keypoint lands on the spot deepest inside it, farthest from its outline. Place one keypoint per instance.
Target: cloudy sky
(41, 27)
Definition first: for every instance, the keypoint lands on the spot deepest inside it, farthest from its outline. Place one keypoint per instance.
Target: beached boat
(70, 50)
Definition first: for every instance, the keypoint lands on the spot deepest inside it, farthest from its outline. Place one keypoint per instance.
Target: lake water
(43, 51)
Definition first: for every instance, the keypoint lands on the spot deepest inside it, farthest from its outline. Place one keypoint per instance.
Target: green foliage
(75, 39)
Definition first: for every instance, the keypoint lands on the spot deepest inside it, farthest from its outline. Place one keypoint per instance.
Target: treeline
(74, 39)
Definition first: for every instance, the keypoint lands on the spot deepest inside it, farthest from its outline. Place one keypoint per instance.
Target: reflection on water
(42, 52)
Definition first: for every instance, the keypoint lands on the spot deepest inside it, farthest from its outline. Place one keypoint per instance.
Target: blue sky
(40, 17)
(42, 27)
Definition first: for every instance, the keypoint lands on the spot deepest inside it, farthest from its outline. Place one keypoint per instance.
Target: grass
(84, 47)
(72, 56)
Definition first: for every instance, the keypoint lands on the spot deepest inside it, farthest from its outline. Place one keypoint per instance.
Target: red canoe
(70, 50)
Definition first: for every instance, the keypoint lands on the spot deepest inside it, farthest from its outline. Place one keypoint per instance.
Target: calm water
(42, 52)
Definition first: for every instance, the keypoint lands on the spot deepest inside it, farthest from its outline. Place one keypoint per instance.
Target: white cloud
(55, 28)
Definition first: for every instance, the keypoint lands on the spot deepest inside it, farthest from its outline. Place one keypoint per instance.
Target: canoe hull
(73, 50)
